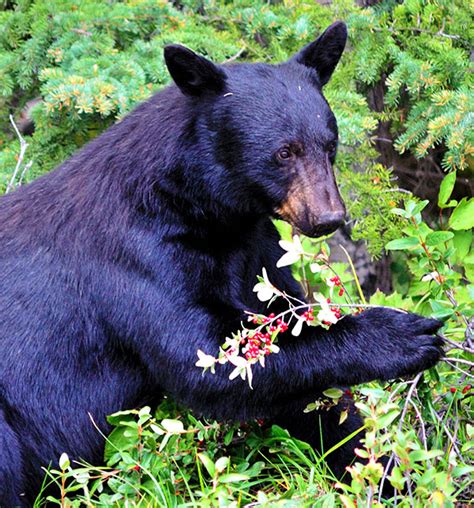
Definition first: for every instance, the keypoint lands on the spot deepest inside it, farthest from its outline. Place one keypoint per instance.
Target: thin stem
(458, 360)
(359, 289)
(23, 147)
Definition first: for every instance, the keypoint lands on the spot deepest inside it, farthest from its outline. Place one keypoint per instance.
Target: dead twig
(236, 56)
(439, 33)
(458, 360)
(19, 163)
(408, 401)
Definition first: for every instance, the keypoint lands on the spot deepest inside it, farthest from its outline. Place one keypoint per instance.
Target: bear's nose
(328, 222)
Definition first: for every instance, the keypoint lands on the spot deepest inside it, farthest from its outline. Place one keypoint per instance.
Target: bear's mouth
(323, 229)
(313, 231)
(309, 224)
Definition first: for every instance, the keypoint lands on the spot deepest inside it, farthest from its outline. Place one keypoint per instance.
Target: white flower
(243, 369)
(229, 349)
(249, 374)
(231, 345)
(294, 251)
(298, 327)
(433, 276)
(325, 314)
(265, 290)
(206, 361)
(274, 348)
(240, 366)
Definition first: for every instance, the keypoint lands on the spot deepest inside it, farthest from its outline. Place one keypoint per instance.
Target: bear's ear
(194, 74)
(324, 53)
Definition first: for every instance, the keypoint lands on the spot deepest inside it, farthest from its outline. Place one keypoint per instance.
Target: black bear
(145, 246)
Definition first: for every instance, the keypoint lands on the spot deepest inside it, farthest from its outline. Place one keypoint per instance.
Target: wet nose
(328, 222)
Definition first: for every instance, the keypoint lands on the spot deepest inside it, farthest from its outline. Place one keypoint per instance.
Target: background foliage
(403, 97)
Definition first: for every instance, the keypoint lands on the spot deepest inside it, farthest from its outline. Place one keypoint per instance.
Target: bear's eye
(331, 147)
(284, 153)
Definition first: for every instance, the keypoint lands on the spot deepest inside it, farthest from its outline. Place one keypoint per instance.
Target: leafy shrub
(402, 93)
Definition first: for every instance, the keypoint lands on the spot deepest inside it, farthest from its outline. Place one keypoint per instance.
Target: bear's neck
(141, 171)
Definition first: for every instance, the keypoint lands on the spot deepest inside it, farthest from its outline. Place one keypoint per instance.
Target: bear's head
(267, 137)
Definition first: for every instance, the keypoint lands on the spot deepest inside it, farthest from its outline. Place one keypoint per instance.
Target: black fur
(144, 247)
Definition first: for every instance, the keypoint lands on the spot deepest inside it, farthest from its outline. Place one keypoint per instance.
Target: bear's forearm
(304, 365)
(378, 344)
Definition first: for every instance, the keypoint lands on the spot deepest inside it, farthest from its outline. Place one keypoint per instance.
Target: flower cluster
(250, 346)
(336, 282)
(258, 345)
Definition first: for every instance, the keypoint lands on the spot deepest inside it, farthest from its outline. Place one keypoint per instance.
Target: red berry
(453, 389)
(341, 292)
(466, 389)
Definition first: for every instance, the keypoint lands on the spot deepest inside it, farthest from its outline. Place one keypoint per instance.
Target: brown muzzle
(313, 205)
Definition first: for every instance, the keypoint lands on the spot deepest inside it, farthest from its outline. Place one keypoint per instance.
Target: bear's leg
(10, 467)
(322, 430)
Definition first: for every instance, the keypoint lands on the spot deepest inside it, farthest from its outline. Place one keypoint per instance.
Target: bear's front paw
(403, 344)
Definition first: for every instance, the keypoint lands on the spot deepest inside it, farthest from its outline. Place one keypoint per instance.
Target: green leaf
(470, 430)
(396, 478)
(419, 207)
(233, 477)
(462, 243)
(228, 437)
(164, 442)
(221, 464)
(157, 429)
(399, 211)
(118, 441)
(403, 243)
(144, 415)
(417, 455)
(64, 461)
(343, 416)
(446, 189)
(386, 419)
(462, 470)
(463, 215)
(440, 310)
(333, 393)
(438, 237)
(207, 463)
(173, 426)
(410, 206)
(121, 417)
